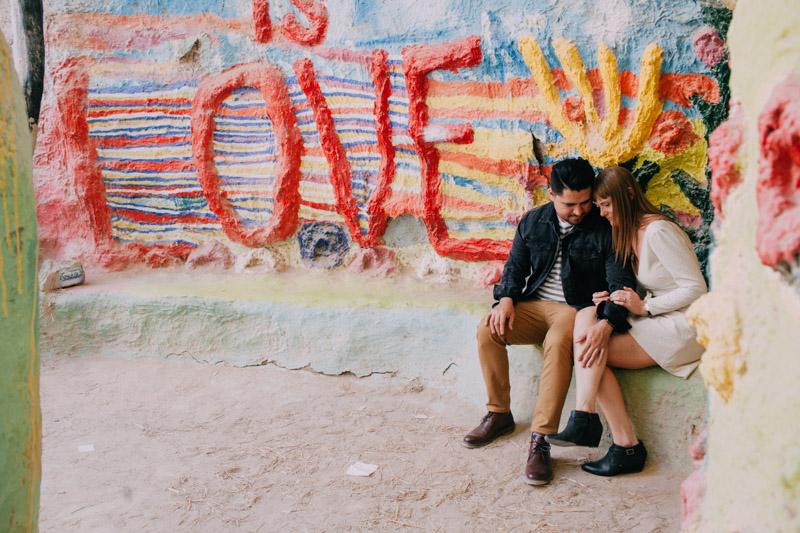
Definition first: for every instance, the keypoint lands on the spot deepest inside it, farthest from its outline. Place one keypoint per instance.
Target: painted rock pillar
(20, 417)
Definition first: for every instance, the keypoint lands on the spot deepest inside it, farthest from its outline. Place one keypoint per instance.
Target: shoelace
(490, 414)
(538, 447)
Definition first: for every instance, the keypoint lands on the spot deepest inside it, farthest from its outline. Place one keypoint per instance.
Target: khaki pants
(536, 322)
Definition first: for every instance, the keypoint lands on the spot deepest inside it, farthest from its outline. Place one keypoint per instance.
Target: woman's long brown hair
(629, 206)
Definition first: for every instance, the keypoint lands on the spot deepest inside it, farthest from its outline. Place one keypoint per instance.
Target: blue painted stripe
(151, 117)
(357, 130)
(160, 179)
(111, 135)
(367, 86)
(139, 147)
(181, 241)
(243, 153)
(120, 132)
(351, 95)
(483, 188)
(458, 225)
(362, 143)
(363, 157)
(173, 227)
(266, 181)
(145, 160)
(160, 211)
(220, 119)
(345, 119)
(408, 166)
(166, 196)
(148, 88)
(154, 188)
(220, 164)
(118, 217)
(154, 172)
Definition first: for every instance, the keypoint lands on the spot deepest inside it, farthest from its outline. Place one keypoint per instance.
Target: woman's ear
(630, 191)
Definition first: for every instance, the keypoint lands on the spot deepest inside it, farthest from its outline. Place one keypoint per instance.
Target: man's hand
(496, 319)
(593, 345)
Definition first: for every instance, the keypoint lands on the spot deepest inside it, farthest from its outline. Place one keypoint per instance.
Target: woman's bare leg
(587, 379)
(623, 352)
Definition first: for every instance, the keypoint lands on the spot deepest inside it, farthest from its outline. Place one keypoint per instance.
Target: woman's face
(606, 209)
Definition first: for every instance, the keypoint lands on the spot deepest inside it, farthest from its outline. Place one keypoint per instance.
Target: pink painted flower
(723, 157)
(709, 47)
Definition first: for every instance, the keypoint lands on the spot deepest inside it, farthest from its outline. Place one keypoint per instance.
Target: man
(561, 254)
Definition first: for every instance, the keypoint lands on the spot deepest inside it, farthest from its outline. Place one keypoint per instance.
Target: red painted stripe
(344, 111)
(251, 112)
(128, 110)
(149, 165)
(157, 193)
(156, 140)
(402, 202)
(133, 102)
(499, 167)
(515, 87)
(471, 114)
(464, 205)
(317, 205)
(135, 216)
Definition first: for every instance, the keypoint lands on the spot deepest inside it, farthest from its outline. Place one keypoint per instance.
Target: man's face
(571, 206)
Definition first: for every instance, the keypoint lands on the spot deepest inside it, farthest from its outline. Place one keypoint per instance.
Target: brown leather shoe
(538, 470)
(492, 425)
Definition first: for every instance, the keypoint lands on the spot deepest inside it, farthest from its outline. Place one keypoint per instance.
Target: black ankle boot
(583, 429)
(619, 460)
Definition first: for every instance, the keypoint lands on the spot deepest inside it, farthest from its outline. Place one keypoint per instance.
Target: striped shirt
(551, 288)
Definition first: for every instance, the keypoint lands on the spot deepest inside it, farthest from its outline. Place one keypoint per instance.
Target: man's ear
(550, 191)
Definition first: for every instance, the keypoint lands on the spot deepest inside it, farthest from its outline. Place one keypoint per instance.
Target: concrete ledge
(416, 336)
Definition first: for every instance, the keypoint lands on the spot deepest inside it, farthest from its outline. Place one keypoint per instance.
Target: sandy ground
(209, 449)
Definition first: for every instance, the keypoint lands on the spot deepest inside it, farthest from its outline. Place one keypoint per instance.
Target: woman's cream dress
(670, 276)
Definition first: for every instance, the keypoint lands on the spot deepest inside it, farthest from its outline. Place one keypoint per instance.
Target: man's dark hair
(574, 174)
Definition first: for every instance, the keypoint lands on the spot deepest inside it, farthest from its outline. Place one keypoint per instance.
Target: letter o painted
(269, 80)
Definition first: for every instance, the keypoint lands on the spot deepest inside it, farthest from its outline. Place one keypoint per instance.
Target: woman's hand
(628, 299)
(598, 297)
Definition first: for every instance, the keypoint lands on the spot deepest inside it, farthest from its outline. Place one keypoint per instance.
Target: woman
(666, 271)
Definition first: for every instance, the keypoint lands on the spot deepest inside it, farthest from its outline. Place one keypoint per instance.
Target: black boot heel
(583, 429)
(619, 460)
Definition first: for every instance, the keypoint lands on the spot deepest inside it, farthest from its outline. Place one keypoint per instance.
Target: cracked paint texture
(751, 318)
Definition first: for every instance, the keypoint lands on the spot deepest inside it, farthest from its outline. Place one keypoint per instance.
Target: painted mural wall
(749, 479)
(295, 132)
(20, 418)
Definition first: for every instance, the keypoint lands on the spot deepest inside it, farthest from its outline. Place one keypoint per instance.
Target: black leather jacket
(587, 263)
